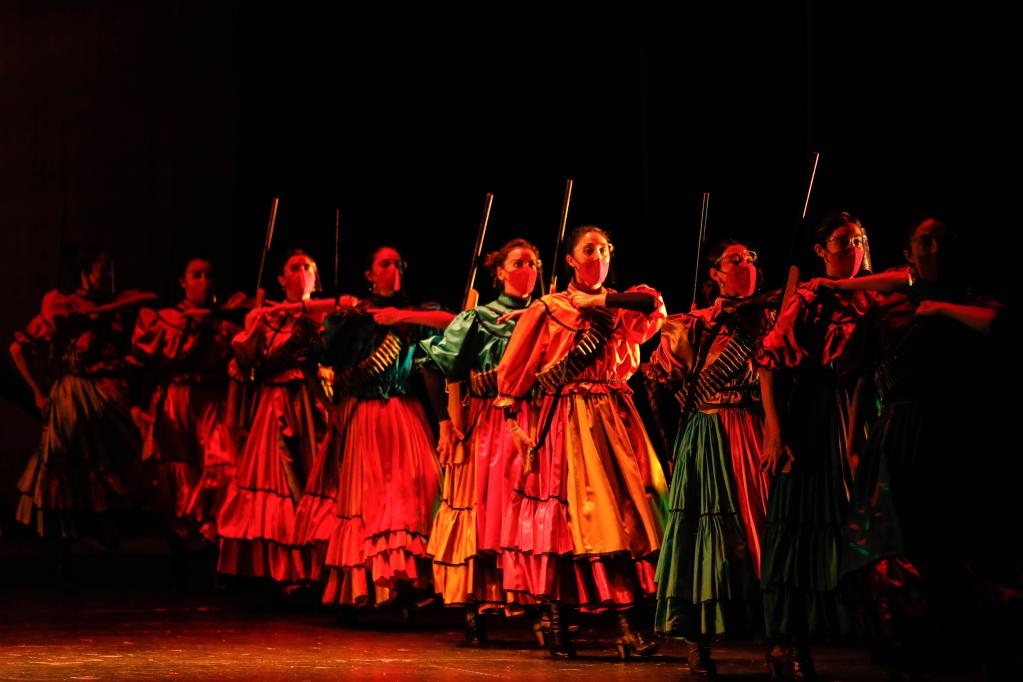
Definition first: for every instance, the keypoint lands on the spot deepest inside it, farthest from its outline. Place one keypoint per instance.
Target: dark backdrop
(163, 129)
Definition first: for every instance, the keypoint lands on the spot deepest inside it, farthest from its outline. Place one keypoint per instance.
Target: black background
(164, 129)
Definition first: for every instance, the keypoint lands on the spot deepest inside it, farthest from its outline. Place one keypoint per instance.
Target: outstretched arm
(437, 319)
(883, 282)
(978, 318)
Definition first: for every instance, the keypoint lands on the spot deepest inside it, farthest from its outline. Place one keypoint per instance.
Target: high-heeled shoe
(475, 632)
(559, 642)
(779, 660)
(802, 664)
(632, 642)
(791, 663)
(700, 662)
(542, 629)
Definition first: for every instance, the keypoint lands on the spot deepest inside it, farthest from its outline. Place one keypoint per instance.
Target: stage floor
(119, 619)
(189, 639)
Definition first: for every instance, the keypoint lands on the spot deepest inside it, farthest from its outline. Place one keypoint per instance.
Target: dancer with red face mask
(585, 524)
(482, 461)
(186, 451)
(710, 560)
(77, 480)
(389, 478)
(805, 452)
(277, 348)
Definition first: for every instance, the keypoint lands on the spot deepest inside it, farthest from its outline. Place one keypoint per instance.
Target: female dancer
(710, 560)
(276, 349)
(76, 480)
(805, 452)
(933, 350)
(389, 475)
(188, 347)
(481, 460)
(585, 523)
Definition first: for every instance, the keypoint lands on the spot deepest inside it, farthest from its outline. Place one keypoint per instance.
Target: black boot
(475, 633)
(560, 641)
(779, 659)
(802, 663)
(700, 662)
(542, 629)
(632, 641)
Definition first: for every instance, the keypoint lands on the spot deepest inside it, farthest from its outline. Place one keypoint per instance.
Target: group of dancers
(818, 433)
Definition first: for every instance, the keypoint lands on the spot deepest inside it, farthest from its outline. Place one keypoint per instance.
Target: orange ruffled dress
(584, 527)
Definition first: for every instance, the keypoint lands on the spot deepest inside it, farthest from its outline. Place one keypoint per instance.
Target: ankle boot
(560, 641)
(631, 641)
(802, 663)
(779, 660)
(700, 662)
(475, 633)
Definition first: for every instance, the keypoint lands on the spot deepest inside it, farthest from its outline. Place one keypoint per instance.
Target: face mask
(592, 273)
(522, 281)
(857, 261)
(305, 279)
(197, 291)
(399, 270)
(742, 279)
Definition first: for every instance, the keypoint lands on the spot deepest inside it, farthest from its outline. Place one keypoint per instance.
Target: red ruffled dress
(187, 456)
(78, 475)
(388, 480)
(256, 524)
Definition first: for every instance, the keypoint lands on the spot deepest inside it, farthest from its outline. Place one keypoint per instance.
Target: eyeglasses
(738, 258)
(857, 240)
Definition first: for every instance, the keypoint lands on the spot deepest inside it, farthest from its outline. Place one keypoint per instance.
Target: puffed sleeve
(163, 336)
(147, 340)
(521, 360)
(40, 329)
(674, 355)
(454, 352)
(249, 344)
(640, 327)
(784, 345)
